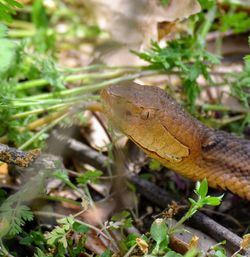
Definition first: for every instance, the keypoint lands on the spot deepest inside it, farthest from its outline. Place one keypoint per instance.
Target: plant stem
(35, 124)
(45, 129)
(205, 27)
(131, 249)
(93, 87)
(95, 107)
(57, 215)
(70, 78)
(223, 108)
(189, 213)
(45, 120)
(230, 120)
(103, 67)
(61, 199)
(4, 250)
(20, 33)
(19, 24)
(41, 110)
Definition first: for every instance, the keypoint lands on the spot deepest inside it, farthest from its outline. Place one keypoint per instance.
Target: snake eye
(147, 114)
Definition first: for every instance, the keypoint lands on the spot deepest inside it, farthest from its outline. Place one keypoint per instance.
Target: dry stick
(157, 195)
(17, 157)
(83, 152)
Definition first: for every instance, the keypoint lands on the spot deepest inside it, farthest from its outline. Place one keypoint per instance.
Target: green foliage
(13, 213)
(44, 39)
(50, 72)
(89, 177)
(172, 254)
(158, 242)
(17, 64)
(13, 218)
(159, 233)
(165, 2)
(241, 82)
(187, 57)
(121, 220)
(40, 253)
(63, 175)
(60, 237)
(80, 228)
(154, 165)
(201, 191)
(8, 8)
(35, 238)
(237, 21)
(7, 52)
(107, 253)
(207, 4)
(59, 233)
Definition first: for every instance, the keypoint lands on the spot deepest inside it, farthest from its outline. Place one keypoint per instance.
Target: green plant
(187, 58)
(157, 244)
(8, 8)
(237, 21)
(240, 86)
(60, 237)
(161, 232)
(201, 191)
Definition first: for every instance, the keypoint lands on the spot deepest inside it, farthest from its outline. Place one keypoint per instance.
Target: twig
(17, 157)
(93, 87)
(71, 78)
(43, 130)
(83, 152)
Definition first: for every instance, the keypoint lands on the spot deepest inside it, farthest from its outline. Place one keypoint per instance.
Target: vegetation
(41, 90)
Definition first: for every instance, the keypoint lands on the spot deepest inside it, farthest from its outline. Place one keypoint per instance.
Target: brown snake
(158, 125)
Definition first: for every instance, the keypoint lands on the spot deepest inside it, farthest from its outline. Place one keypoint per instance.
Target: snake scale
(167, 133)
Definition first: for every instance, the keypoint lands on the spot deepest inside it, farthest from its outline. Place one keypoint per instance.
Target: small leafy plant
(8, 8)
(187, 57)
(161, 232)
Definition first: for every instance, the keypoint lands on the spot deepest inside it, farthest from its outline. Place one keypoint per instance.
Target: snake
(158, 125)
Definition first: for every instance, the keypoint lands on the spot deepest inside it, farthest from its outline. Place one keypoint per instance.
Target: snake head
(153, 120)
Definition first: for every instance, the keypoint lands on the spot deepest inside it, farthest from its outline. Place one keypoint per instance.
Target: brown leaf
(133, 24)
(143, 245)
(193, 243)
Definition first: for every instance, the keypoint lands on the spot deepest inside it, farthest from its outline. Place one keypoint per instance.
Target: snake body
(166, 132)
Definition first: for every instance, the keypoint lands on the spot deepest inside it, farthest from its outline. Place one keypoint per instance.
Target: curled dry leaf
(172, 210)
(143, 245)
(132, 24)
(245, 243)
(193, 243)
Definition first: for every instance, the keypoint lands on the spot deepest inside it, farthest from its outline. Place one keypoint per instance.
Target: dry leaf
(193, 243)
(142, 245)
(133, 24)
(245, 243)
